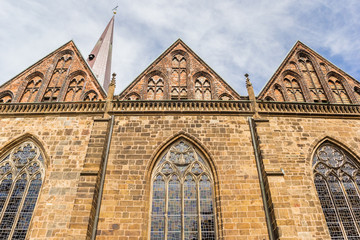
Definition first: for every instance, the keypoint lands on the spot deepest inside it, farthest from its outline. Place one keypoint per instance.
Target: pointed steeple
(100, 57)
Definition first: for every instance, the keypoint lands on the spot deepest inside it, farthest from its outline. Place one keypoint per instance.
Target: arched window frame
(316, 93)
(337, 91)
(177, 90)
(87, 97)
(333, 165)
(200, 79)
(166, 169)
(25, 161)
(54, 83)
(8, 94)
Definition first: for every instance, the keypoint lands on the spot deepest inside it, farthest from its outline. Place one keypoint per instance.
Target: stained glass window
(337, 183)
(182, 196)
(21, 173)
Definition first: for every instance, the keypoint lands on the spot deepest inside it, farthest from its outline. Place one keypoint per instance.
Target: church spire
(100, 57)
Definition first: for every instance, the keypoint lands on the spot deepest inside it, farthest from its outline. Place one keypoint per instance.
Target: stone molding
(214, 107)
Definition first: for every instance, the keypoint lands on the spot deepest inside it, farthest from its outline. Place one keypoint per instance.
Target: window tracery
(21, 176)
(311, 78)
(31, 89)
(91, 96)
(338, 90)
(182, 195)
(337, 181)
(293, 89)
(57, 78)
(75, 87)
(155, 88)
(202, 88)
(178, 82)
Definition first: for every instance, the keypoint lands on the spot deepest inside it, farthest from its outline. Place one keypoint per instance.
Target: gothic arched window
(202, 88)
(155, 88)
(58, 76)
(178, 81)
(311, 78)
(337, 181)
(21, 175)
(32, 88)
(75, 88)
(338, 90)
(182, 195)
(293, 89)
(91, 96)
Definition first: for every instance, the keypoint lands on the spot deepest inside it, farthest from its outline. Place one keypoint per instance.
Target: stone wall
(137, 141)
(65, 141)
(288, 143)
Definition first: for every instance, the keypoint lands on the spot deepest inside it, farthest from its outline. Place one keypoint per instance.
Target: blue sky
(233, 37)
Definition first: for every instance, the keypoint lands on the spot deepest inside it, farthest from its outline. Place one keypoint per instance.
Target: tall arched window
(337, 181)
(311, 78)
(178, 81)
(182, 195)
(21, 174)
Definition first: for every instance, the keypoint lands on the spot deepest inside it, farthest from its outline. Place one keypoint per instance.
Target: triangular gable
(180, 74)
(62, 75)
(306, 76)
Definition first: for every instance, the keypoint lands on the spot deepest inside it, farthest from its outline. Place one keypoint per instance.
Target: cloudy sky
(233, 36)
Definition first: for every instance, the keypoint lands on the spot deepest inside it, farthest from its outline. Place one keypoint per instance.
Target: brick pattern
(194, 68)
(322, 71)
(50, 75)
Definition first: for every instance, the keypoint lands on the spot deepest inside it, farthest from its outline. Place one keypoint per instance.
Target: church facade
(178, 154)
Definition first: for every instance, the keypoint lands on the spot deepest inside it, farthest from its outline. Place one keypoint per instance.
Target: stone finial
(110, 96)
(252, 97)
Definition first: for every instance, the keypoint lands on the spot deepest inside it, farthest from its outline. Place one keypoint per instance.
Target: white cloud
(233, 37)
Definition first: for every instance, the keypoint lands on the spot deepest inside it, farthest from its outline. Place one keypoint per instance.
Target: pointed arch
(183, 196)
(22, 172)
(337, 182)
(338, 89)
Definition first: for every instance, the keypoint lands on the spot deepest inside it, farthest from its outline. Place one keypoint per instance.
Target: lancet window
(57, 78)
(338, 90)
(31, 89)
(293, 89)
(178, 82)
(21, 177)
(182, 195)
(75, 88)
(202, 88)
(337, 181)
(155, 88)
(311, 78)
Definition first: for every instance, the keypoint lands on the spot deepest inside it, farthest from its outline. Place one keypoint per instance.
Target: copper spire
(100, 57)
